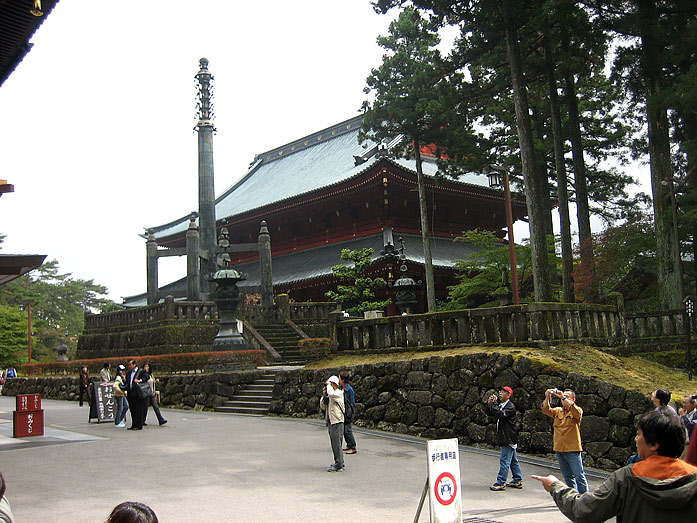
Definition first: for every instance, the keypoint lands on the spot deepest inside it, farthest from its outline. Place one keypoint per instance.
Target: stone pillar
(206, 190)
(193, 283)
(265, 266)
(151, 267)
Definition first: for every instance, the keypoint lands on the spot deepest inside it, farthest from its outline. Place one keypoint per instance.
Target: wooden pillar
(266, 275)
(193, 283)
(151, 267)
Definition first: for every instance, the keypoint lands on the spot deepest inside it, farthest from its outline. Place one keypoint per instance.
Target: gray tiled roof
(323, 159)
(317, 262)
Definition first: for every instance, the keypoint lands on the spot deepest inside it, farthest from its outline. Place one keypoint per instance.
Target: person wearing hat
(503, 409)
(332, 403)
(567, 437)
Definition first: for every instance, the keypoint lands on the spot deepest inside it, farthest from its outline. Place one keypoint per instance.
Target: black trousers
(138, 408)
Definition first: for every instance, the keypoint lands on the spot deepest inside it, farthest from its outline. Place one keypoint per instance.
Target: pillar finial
(204, 102)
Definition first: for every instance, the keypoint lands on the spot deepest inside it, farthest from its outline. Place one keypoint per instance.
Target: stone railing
(152, 315)
(311, 311)
(595, 324)
(657, 324)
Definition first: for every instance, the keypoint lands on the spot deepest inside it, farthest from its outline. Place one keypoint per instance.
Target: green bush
(313, 349)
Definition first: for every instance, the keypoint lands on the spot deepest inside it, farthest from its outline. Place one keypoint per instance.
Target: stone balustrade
(596, 324)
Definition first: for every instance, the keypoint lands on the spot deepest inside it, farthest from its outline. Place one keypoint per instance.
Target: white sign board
(444, 481)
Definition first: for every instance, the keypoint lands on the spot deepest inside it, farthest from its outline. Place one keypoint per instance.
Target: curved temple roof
(323, 159)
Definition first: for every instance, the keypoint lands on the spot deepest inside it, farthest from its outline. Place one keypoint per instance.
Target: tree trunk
(425, 237)
(535, 202)
(567, 259)
(585, 238)
(669, 284)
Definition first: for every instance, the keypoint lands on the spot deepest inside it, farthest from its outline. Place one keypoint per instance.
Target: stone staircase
(285, 340)
(253, 398)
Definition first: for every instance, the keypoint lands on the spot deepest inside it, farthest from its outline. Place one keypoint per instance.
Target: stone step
(243, 410)
(254, 394)
(247, 404)
(253, 387)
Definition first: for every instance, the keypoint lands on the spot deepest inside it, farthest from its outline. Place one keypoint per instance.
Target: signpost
(103, 405)
(28, 417)
(443, 483)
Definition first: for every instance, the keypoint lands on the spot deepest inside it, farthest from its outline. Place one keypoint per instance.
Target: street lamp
(498, 176)
(21, 308)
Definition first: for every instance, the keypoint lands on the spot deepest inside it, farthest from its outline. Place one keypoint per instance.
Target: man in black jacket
(137, 405)
(507, 429)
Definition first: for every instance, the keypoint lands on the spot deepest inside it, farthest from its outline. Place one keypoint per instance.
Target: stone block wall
(445, 397)
(200, 392)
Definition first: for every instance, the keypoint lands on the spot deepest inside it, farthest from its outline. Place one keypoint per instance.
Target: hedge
(181, 363)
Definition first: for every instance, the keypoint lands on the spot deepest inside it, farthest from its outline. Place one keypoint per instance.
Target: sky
(97, 121)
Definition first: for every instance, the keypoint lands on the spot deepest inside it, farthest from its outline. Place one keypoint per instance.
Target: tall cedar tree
(414, 98)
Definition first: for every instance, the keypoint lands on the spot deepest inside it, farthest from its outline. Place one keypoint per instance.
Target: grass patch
(629, 372)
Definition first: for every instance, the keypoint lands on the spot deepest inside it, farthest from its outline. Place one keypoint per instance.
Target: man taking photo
(567, 437)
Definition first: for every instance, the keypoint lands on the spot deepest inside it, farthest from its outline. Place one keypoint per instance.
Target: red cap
(508, 389)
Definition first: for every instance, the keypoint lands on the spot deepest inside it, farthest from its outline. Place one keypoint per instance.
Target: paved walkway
(214, 467)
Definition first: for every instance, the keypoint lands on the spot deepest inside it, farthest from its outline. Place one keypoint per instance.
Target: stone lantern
(226, 296)
(405, 287)
(61, 350)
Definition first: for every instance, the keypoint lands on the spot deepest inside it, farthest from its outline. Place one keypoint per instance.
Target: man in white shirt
(332, 402)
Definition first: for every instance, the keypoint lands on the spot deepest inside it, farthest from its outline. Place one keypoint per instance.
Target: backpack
(349, 411)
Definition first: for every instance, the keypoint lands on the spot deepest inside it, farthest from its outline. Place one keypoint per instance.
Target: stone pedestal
(226, 296)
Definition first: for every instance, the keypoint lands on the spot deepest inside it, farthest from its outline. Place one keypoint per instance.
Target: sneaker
(497, 486)
(121, 425)
(351, 451)
(346, 448)
(515, 484)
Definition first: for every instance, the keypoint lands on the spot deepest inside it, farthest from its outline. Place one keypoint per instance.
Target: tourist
(5, 509)
(85, 385)
(132, 512)
(332, 402)
(11, 372)
(105, 373)
(120, 395)
(688, 413)
(661, 398)
(349, 398)
(2, 380)
(567, 437)
(153, 402)
(503, 409)
(137, 403)
(658, 488)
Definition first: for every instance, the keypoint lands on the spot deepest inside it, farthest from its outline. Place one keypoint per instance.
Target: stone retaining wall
(200, 392)
(445, 397)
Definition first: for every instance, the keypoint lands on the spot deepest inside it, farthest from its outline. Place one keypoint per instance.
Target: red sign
(28, 423)
(27, 402)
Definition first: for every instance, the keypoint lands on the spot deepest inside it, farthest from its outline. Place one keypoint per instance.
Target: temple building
(326, 192)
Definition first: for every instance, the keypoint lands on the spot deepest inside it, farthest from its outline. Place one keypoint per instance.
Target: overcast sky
(97, 120)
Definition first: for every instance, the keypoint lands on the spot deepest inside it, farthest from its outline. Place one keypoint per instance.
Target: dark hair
(132, 361)
(132, 512)
(573, 394)
(147, 363)
(663, 428)
(2, 486)
(107, 365)
(344, 375)
(663, 395)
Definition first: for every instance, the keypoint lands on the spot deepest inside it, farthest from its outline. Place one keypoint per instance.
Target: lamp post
(21, 308)
(498, 176)
(689, 307)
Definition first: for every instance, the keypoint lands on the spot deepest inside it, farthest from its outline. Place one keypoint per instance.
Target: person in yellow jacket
(332, 403)
(120, 395)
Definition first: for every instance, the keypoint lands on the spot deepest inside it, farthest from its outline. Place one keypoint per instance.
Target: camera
(555, 391)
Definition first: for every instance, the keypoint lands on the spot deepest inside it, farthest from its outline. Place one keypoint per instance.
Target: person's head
(107, 365)
(345, 377)
(2, 486)
(570, 395)
(132, 512)
(146, 367)
(505, 393)
(689, 403)
(333, 382)
(132, 364)
(84, 368)
(661, 433)
(661, 397)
